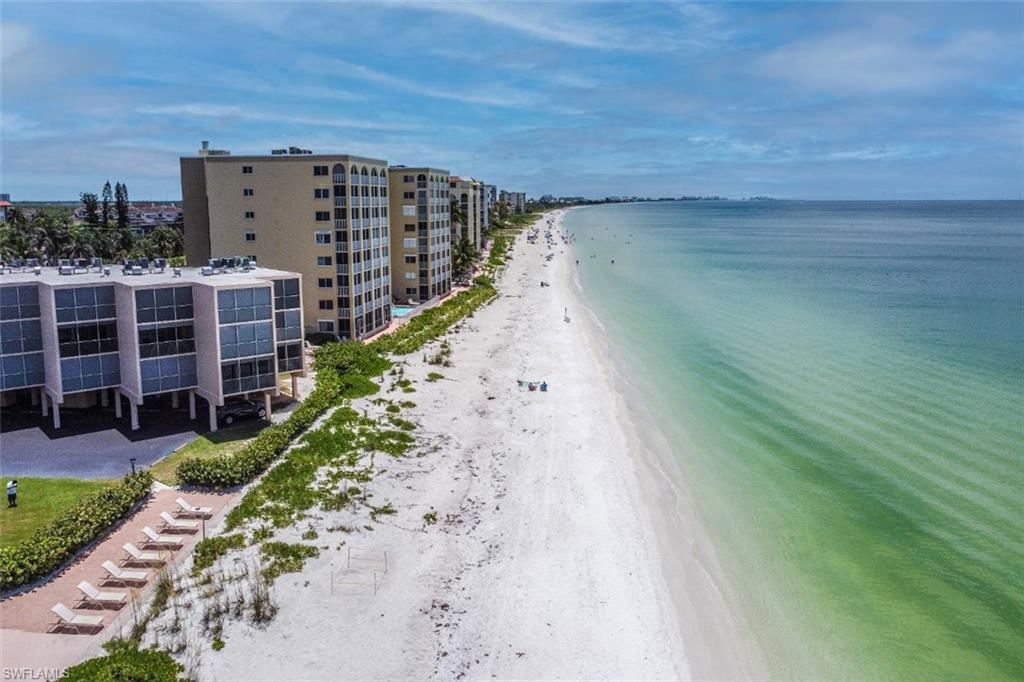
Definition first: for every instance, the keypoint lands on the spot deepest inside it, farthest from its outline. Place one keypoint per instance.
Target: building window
(410, 275)
(321, 193)
(250, 215)
(326, 305)
(409, 242)
(323, 261)
(408, 210)
(246, 170)
(408, 195)
(247, 192)
(250, 236)
(410, 259)
(320, 170)
(323, 216)
(325, 282)
(410, 227)
(326, 326)
(322, 237)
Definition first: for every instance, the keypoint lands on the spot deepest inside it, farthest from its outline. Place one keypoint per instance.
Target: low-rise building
(421, 256)
(85, 333)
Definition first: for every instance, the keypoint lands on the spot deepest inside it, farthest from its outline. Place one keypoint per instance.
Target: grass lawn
(40, 500)
(226, 441)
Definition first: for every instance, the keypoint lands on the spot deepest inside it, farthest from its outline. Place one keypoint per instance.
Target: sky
(814, 101)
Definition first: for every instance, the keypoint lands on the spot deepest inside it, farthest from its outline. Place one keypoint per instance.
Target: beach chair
(187, 509)
(69, 618)
(171, 523)
(140, 557)
(94, 596)
(154, 539)
(119, 575)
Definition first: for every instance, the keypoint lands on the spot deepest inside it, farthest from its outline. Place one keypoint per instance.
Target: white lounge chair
(190, 510)
(119, 575)
(73, 620)
(94, 596)
(155, 539)
(177, 524)
(140, 557)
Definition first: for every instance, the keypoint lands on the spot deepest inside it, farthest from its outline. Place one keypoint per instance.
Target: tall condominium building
(322, 215)
(491, 192)
(468, 192)
(485, 219)
(515, 201)
(421, 255)
(85, 333)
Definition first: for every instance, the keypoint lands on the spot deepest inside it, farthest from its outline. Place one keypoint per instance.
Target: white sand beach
(556, 528)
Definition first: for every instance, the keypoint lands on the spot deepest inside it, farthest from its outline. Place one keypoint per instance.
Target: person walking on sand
(12, 493)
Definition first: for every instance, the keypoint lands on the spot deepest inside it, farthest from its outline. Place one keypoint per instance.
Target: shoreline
(718, 644)
(545, 559)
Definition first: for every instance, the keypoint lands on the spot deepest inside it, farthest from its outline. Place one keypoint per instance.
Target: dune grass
(40, 501)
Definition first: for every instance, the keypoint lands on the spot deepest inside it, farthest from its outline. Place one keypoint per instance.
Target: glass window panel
(164, 297)
(65, 315)
(110, 363)
(9, 295)
(263, 312)
(106, 312)
(86, 312)
(243, 298)
(225, 299)
(264, 330)
(228, 316)
(64, 298)
(104, 295)
(85, 296)
(151, 385)
(183, 295)
(262, 296)
(144, 298)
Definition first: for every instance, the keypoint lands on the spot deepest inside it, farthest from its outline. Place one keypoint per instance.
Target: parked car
(240, 409)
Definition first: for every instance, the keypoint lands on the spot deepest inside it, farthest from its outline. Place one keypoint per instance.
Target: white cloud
(877, 60)
(201, 110)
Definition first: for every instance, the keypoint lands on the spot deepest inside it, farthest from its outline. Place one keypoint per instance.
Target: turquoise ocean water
(849, 378)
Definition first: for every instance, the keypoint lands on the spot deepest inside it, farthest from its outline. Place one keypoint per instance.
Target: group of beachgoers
(533, 385)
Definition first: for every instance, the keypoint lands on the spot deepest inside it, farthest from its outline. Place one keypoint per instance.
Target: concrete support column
(45, 399)
(295, 387)
(174, 400)
(56, 414)
(191, 404)
(104, 398)
(134, 410)
(117, 403)
(35, 396)
(213, 417)
(266, 404)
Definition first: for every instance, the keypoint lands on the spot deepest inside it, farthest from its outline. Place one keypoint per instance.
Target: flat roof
(416, 169)
(52, 277)
(230, 158)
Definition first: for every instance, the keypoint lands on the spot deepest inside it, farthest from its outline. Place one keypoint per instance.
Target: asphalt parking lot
(92, 443)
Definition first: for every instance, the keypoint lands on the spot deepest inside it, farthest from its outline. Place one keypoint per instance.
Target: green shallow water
(848, 376)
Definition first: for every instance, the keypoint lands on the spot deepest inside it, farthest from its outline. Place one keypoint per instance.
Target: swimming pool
(401, 310)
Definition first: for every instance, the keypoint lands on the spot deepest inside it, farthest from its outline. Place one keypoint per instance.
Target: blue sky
(820, 100)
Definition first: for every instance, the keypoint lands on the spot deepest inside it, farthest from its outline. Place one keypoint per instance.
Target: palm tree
(49, 232)
(78, 243)
(166, 241)
(458, 215)
(464, 256)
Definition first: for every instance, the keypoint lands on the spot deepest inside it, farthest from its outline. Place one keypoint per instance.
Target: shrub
(207, 551)
(357, 386)
(51, 546)
(125, 661)
(434, 376)
(285, 558)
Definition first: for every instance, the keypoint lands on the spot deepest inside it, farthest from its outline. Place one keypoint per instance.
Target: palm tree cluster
(53, 234)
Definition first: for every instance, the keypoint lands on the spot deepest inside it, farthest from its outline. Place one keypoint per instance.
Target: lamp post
(132, 460)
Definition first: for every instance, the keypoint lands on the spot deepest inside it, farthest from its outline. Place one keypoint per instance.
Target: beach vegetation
(72, 529)
(283, 557)
(430, 518)
(208, 551)
(126, 661)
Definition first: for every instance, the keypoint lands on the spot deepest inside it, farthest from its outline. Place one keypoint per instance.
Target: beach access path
(543, 561)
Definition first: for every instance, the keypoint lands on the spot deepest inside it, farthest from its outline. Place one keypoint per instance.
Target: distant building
(491, 192)
(322, 215)
(468, 192)
(421, 255)
(5, 204)
(78, 335)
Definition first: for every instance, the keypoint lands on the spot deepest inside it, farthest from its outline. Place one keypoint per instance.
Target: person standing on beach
(12, 493)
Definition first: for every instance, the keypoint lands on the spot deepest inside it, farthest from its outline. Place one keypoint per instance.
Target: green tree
(78, 242)
(165, 241)
(90, 202)
(108, 197)
(457, 214)
(464, 256)
(121, 206)
(49, 231)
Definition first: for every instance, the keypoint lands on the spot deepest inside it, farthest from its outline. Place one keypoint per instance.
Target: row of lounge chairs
(154, 553)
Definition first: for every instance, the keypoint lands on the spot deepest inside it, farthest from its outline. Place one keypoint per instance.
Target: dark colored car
(239, 409)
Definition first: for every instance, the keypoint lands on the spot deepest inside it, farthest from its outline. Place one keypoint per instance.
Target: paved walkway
(28, 638)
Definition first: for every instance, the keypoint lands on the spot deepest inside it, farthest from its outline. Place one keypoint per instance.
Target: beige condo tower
(322, 215)
(469, 193)
(421, 239)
